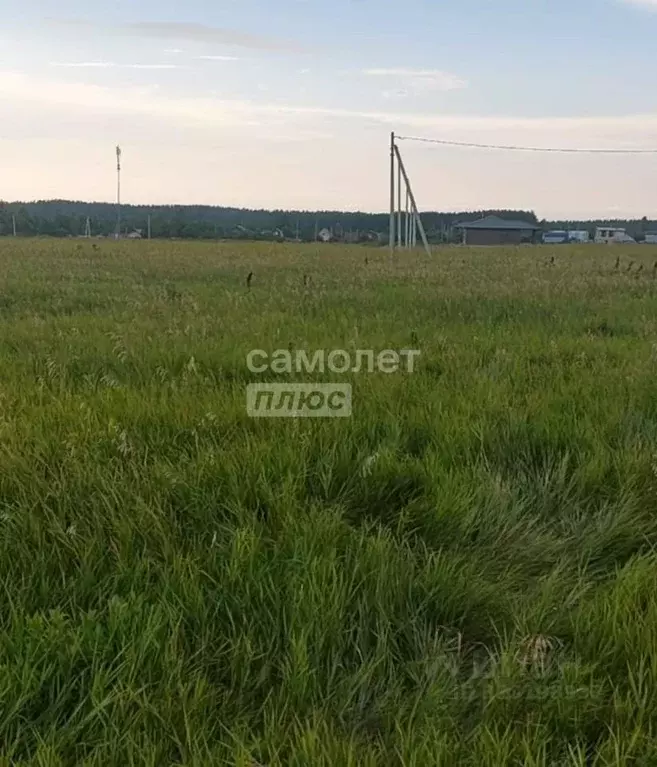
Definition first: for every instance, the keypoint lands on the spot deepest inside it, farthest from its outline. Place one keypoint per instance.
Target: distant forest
(62, 218)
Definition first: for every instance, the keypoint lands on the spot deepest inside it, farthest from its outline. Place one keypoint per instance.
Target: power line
(512, 148)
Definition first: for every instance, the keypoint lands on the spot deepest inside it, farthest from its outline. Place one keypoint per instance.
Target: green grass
(464, 572)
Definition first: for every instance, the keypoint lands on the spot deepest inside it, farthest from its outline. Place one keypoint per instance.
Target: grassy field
(463, 573)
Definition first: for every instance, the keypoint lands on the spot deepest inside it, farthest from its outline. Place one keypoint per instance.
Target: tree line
(64, 218)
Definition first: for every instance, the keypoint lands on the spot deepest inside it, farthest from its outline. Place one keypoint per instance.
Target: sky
(290, 103)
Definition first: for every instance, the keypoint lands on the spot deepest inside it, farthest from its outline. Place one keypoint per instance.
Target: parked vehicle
(555, 237)
(579, 235)
(561, 236)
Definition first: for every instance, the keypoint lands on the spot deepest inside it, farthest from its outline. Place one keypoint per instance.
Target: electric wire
(515, 148)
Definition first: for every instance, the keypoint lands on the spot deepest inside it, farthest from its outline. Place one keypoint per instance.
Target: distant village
(325, 235)
(490, 230)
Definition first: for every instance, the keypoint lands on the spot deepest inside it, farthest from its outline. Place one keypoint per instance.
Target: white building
(651, 238)
(609, 235)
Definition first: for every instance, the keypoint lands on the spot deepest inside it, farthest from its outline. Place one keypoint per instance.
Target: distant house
(651, 238)
(493, 230)
(136, 235)
(325, 235)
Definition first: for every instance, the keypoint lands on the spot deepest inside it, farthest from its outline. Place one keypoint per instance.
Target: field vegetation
(463, 573)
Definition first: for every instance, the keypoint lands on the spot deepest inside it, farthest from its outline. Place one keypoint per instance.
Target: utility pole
(399, 205)
(149, 226)
(392, 193)
(118, 192)
(407, 223)
(416, 212)
(13, 224)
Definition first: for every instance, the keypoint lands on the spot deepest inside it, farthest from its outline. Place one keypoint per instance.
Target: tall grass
(462, 573)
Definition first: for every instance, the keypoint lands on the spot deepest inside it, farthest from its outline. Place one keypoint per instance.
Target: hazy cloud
(110, 65)
(203, 33)
(398, 94)
(419, 80)
(217, 58)
(151, 66)
(84, 64)
(198, 33)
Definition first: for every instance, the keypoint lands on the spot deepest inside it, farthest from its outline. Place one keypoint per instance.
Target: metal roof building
(493, 230)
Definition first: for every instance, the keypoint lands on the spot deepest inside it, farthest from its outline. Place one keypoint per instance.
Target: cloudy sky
(289, 103)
